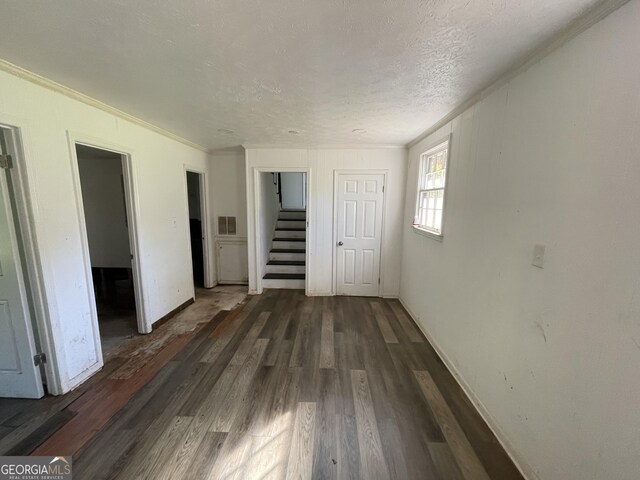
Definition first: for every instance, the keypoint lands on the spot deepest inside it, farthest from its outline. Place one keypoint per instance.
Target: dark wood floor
(286, 387)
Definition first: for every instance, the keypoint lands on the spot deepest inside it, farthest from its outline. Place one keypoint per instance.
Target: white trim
(132, 206)
(258, 234)
(86, 260)
(20, 233)
(321, 146)
(427, 233)
(336, 174)
(227, 152)
(523, 467)
(133, 214)
(32, 77)
(203, 183)
(600, 11)
(434, 146)
(230, 239)
(43, 291)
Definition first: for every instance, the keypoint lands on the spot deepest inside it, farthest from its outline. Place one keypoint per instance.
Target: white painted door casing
(359, 212)
(19, 377)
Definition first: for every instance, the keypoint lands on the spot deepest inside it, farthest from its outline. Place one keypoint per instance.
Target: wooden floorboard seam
(284, 387)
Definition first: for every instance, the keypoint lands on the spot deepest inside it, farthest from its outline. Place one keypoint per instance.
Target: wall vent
(226, 225)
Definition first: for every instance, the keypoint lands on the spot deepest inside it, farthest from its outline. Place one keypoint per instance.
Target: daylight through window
(431, 186)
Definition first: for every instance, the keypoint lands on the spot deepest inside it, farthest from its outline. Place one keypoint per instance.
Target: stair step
(287, 250)
(290, 233)
(289, 239)
(284, 276)
(295, 215)
(285, 284)
(286, 262)
(290, 229)
(292, 224)
(297, 256)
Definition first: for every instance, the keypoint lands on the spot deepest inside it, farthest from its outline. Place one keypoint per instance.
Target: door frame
(14, 127)
(203, 183)
(132, 207)
(336, 176)
(257, 231)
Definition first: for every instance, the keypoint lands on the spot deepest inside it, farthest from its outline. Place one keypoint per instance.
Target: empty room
(320, 240)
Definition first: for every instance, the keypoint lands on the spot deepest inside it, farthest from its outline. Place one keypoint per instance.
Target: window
(431, 185)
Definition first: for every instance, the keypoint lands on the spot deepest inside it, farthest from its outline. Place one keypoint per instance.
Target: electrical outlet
(538, 256)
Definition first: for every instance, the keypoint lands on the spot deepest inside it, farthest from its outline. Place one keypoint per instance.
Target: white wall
(293, 194)
(45, 117)
(105, 211)
(269, 209)
(550, 158)
(228, 188)
(323, 162)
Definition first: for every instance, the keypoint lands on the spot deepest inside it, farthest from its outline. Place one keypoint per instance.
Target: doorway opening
(197, 209)
(282, 223)
(108, 230)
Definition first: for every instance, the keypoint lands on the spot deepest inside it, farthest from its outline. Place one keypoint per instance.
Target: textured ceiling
(264, 67)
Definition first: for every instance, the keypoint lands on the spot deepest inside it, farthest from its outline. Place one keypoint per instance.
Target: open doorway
(195, 198)
(108, 230)
(282, 223)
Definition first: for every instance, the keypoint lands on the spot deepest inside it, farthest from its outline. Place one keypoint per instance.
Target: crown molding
(24, 74)
(599, 12)
(229, 151)
(324, 146)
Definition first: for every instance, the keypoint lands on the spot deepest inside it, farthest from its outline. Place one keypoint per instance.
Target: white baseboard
(524, 468)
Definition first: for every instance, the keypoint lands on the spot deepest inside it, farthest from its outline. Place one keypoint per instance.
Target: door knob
(340, 243)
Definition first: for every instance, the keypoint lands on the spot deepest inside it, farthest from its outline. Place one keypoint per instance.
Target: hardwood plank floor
(286, 386)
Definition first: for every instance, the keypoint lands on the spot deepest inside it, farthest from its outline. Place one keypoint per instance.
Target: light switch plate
(538, 256)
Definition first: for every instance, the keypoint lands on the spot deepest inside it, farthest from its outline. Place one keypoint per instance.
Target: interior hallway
(334, 387)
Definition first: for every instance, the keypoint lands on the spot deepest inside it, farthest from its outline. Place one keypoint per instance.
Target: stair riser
(287, 284)
(287, 256)
(289, 234)
(296, 224)
(294, 245)
(296, 215)
(285, 269)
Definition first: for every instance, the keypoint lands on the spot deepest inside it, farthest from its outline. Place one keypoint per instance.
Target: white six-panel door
(358, 234)
(19, 377)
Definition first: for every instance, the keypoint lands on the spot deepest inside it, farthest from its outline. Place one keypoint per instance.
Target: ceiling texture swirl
(227, 72)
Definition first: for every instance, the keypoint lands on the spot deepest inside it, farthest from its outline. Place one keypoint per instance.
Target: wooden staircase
(286, 266)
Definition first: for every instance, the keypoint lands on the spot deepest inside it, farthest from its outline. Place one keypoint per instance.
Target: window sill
(427, 233)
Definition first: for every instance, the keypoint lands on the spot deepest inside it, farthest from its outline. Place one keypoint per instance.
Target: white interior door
(19, 377)
(358, 235)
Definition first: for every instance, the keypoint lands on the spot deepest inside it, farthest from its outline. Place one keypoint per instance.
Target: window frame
(434, 148)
